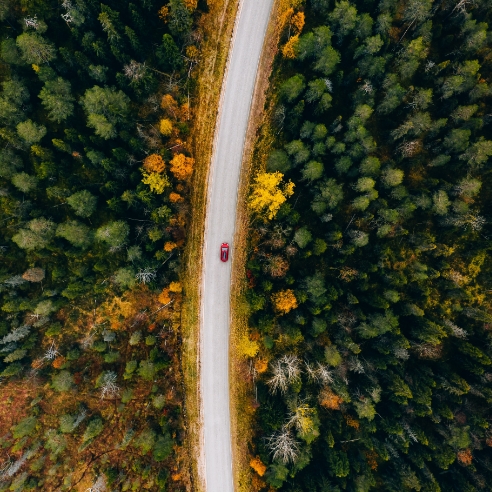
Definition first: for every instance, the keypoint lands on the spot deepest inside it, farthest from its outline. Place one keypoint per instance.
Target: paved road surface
(237, 94)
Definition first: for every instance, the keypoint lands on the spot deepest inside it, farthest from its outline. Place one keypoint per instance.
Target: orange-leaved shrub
(284, 301)
(154, 163)
(258, 466)
(182, 166)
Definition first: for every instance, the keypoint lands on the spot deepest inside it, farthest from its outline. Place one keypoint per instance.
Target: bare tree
(88, 340)
(286, 370)
(319, 373)
(146, 275)
(109, 386)
(367, 87)
(471, 220)
(15, 281)
(283, 446)
(135, 71)
(456, 331)
(279, 379)
(51, 353)
(31, 22)
(355, 365)
(98, 486)
(401, 353)
(10, 468)
(460, 7)
(410, 433)
(409, 149)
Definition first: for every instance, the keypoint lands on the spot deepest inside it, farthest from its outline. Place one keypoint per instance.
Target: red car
(224, 251)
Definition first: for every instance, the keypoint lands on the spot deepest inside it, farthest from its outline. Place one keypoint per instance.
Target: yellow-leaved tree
(269, 192)
(156, 181)
(175, 287)
(191, 4)
(289, 50)
(248, 347)
(297, 21)
(284, 301)
(166, 127)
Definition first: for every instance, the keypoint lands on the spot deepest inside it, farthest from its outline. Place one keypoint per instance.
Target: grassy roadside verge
(258, 139)
(216, 26)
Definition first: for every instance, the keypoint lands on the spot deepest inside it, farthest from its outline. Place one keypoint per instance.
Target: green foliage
(34, 48)
(83, 203)
(147, 370)
(57, 99)
(24, 182)
(24, 428)
(163, 447)
(63, 381)
(169, 54)
(31, 132)
(278, 160)
(125, 277)
(105, 107)
(292, 88)
(114, 234)
(332, 356)
(392, 308)
(79, 235)
(303, 237)
(145, 440)
(80, 93)
(93, 429)
(180, 20)
(38, 235)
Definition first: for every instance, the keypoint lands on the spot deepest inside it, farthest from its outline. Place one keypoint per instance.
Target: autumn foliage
(297, 21)
(169, 105)
(351, 422)
(34, 275)
(289, 50)
(58, 362)
(269, 193)
(175, 287)
(284, 301)
(166, 126)
(465, 457)
(157, 182)
(371, 457)
(261, 365)
(164, 297)
(258, 466)
(169, 246)
(175, 197)
(154, 163)
(247, 347)
(182, 166)
(191, 4)
(329, 400)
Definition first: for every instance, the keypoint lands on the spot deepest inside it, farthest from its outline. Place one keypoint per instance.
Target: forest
(369, 271)
(95, 113)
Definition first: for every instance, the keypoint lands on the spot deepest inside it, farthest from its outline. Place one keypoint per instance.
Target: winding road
(232, 122)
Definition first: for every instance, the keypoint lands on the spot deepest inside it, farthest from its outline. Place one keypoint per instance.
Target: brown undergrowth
(137, 405)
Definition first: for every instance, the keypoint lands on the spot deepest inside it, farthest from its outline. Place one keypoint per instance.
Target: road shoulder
(242, 402)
